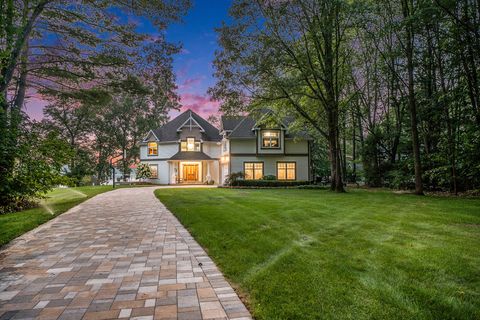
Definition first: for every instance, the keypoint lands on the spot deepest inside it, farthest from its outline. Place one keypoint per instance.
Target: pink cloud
(34, 108)
(204, 105)
(190, 82)
(34, 104)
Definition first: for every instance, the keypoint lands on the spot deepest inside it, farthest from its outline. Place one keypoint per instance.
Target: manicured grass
(313, 254)
(58, 201)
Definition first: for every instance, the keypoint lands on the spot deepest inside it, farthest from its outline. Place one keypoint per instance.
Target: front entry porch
(193, 172)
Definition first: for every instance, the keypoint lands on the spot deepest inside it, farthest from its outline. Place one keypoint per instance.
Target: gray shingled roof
(190, 155)
(243, 127)
(229, 123)
(168, 132)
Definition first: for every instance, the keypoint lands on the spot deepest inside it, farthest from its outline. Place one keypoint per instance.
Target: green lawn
(313, 254)
(58, 201)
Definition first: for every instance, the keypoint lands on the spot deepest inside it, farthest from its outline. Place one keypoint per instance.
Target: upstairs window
(286, 171)
(152, 148)
(271, 139)
(190, 145)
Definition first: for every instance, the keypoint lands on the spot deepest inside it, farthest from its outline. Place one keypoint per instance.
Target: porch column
(209, 177)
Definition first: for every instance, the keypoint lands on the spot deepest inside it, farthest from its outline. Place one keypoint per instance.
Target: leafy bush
(398, 179)
(233, 178)
(267, 183)
(143, 171)
(39, 158)
(269, 177)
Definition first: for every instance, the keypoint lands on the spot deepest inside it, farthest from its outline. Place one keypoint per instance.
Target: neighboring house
(189, 150)
(130, 177)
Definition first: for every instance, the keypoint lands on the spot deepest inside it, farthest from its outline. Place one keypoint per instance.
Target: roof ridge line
(236, 127)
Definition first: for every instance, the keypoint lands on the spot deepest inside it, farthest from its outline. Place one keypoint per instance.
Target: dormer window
(270, 139)
(152, 148)
(190, 145)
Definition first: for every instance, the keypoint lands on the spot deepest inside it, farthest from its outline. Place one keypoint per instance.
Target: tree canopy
(391, 87)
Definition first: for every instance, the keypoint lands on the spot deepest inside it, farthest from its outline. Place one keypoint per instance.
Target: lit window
(152, 149)
(286, 171)
(253, 170)
(154, 170)
(271, 139)
(190, 145)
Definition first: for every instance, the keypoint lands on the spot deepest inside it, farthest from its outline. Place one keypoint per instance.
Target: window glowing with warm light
(154, 171)
(270, 139)
(190, 145)
(152, 149)
(253, 170)
(286, 171)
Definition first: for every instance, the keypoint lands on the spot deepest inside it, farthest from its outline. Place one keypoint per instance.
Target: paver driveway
(121, 254)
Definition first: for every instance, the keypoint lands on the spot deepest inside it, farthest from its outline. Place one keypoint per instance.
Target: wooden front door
(190, 172)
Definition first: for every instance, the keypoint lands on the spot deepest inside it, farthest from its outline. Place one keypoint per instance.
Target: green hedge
(267, 183)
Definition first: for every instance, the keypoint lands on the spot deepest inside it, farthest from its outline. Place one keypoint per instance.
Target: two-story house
(189, 150)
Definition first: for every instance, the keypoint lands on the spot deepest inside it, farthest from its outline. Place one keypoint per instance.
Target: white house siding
(223, 173)
(212, 149)
(270, 164)
(165, 151)
(163, 171)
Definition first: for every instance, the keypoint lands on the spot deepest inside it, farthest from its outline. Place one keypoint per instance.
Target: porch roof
(190, 155)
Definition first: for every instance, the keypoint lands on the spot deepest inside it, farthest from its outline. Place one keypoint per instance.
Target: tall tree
(407, 8)
(69, 50)
(289, 55)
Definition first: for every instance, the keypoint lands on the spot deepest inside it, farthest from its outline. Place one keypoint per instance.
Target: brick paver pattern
(121, 254)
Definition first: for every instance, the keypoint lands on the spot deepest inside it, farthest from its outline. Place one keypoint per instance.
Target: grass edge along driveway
(313, 254)
(58, 201)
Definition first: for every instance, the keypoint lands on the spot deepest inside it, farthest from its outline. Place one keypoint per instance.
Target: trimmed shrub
(267, 183)
(269, 177)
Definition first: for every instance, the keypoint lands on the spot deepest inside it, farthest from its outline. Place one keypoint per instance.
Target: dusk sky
(193, 67)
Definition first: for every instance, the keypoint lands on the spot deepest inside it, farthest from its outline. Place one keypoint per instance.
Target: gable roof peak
(168, 132)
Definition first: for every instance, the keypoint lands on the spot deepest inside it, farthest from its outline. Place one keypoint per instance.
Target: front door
(190, 172)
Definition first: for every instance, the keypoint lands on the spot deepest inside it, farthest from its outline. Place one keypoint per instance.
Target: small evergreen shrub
(267, 183)
(269, 177)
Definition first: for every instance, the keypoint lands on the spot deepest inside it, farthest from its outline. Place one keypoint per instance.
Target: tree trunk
(331, 103)
(7, 70)
(412, 101)
(344, 150)
(334, 153)
(450, 139)
(354, 151)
